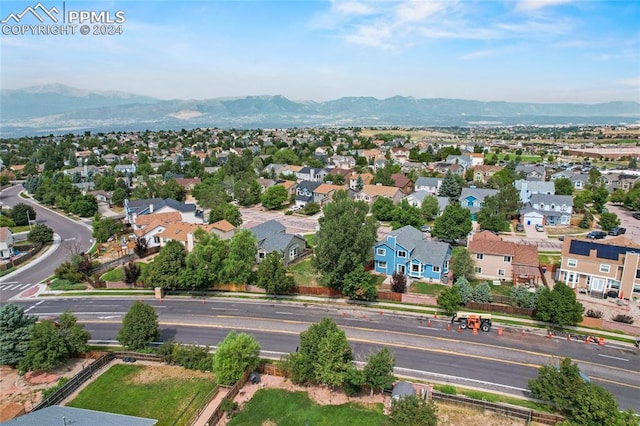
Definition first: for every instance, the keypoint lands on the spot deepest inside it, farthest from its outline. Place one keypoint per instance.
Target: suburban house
(290, 186)
(370, 193)
(343, 162)
(352, 180)
(6, 243)
(304, 192)
(546, 209)
(418, 197)
(102, 196)
(477, 158)
(465, 161)
(429, 184)
(496, 259)
(136, 208)
(473, 199)
(400, 155)
(265, 183)
(188, 183)
(603, 265)
(404, 183)
(406, 251)
(311, 174)
(527, 188)
(324, 193)
(272, 236)
(532, 172)
(183, 232)
(125, 169)
(578, 180)
(483, 173)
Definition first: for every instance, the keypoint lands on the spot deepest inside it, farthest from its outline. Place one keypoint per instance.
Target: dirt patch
(164, 372)
(454, 415)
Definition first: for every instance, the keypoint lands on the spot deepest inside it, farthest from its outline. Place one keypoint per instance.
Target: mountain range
(60, 109)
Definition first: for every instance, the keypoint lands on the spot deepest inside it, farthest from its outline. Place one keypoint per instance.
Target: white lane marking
(613, 357)
(30, 308)
(69, 239)
(108, 317)
(10, 282)
(285, 313)
(223, 309)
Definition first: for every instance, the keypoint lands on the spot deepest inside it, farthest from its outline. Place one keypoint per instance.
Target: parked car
(636, 215)
(539, 228)
(618, 230)
(596, 235)
(425, 228)
(520, 227)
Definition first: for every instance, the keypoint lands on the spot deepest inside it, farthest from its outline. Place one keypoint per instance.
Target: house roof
(184, 182)
(380, 190)
(221, 225)
(325, 188)
(535, 185)
(308, 185)
(178, 231)
(400, 180)
(58, 414)
(477, 193)
(610, 249)
(485, 168)
(271, 236)
(428, 181)
(488, 243)
(552, 199)
(4, 233)
(158, 203)
(427, 252)
(166, 217)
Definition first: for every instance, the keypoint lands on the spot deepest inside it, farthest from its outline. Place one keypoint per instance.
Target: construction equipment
(473, 321)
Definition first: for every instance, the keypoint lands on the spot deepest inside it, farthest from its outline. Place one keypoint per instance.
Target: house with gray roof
(465, 161)
(406, 251)
(61, 415)
(579, 180)
(418, 197)
(136, 208)
(527, 188)
(429, 184)
(532, 172)
(272, 236)
(547, 209)
(473, 198)
(304, 192)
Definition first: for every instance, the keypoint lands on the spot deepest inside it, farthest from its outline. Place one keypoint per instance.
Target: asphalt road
(74, 236)
(626, 221)
(423, 346)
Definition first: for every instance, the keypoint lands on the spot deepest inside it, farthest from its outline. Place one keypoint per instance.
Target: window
(479, 256)
(446, 265)
(572, 263)
(436, 269)
(382, 265)
(402, 253)
(477, 270)
(501, 272)
(638, 273)
(293, 252)
(380, 252)
(261, 255)
(605, 268)
(507, 259)
(553, 206)
(415, 268)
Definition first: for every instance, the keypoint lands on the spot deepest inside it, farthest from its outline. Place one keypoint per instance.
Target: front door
(401, 269)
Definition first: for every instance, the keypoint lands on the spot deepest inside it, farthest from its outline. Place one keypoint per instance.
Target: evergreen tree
(450, 187)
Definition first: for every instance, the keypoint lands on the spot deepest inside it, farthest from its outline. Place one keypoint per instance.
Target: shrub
(287, 213)
(448, 389)
(465, 289)
(228, 405)
(591, 313)
(398, 282)
(46, 393)
(482, 293)
(627, 319)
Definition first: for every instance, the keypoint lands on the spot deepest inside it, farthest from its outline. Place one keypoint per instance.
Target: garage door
(532, 220)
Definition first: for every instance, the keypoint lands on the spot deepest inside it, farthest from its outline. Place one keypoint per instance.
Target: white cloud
(633, 81)
(480, 54)
(353, 8)
(417, 11)
(529, 5)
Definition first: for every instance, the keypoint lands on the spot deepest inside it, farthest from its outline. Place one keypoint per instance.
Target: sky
(551, 51)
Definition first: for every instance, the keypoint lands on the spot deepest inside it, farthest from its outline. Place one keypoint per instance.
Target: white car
(539, 228)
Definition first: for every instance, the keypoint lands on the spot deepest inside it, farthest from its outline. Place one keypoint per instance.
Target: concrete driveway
(626, 221)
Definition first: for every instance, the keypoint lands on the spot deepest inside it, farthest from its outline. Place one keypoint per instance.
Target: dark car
(618, 230)
(636, 215)
(596, 235)
(519, 227)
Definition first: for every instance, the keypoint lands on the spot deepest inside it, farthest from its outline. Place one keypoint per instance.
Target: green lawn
(295, 408)
(426, 288)
(304, 274)
(117, 274)
(311, 239)
(170, 401)
(23, 228)
(66, 285)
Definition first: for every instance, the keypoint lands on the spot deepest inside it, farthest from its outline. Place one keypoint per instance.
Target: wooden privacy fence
(389, 295)
(492, 307)
(233, 391)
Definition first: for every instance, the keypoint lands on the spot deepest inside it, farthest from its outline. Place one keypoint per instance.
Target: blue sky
(512, 50)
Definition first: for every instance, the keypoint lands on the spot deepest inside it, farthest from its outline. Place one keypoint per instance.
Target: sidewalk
(211, 407)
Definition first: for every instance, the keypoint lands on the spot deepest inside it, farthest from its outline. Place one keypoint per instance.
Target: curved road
(423, 347)
(75, 236)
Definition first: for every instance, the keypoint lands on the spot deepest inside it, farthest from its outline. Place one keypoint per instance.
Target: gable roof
(58, 414)
(308, 185)
(427, 252)
(271, 236)
(477, 193)
(221, 225)
(166, 217)
(325, 188)
(378, 190)
(400, 180)
(488, 243)
(4, 233)
(552, 199)
(428, 181)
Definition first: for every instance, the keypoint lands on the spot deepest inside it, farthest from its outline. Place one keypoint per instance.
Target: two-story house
(483, 173)
(405, 184)
(531, 171)
(370, 193)
(344, 162)
(188, 212)
(365, 179)
(324, 193)
(527, 188)
(399, 154)
(6, 243)
(600, 266)
(406, 251)
(579, 180)
(272, 236)
(304, 192)
(464, 161)
(184, 232)
(547, 209)
(415, 199)
(473, 199)
(496, 259)
(429, 184)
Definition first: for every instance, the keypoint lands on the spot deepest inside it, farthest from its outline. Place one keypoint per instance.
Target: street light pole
(29, 220)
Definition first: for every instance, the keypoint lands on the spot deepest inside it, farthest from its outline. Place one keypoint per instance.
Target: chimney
(189, 242)
(151, 208)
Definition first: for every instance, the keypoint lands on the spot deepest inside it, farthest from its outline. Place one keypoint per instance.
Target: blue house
(406, 251)
(473, 198)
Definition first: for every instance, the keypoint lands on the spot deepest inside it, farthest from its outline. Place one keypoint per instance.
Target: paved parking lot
(626, 221)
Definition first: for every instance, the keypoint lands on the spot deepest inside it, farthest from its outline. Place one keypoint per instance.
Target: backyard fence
(233, 391)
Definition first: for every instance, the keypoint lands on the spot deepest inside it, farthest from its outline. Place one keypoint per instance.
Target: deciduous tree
(237, 353)
(412, 410)
(139, 326)
(272, 275)
(608, 221)
(559, 306)
(274, 197)
(461, 263)
(226, 211)
(238, 265)
(378, 371)
(563, 186)
(358, 285)
(167, 266)
(449, 300)
(22, 213)
(383, 209)
(429, 208)
(41, 233)
(454, 223)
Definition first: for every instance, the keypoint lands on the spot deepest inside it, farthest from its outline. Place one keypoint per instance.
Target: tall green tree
(557, 384)
(599, 197)
(378, 371)
(449, 300)
(490, 216)
(272, 275)
(429, 208)
(15, 332)
(334, 359)
(238, 265)
(454, 223)
(139, 326)
(237, 353)
(274, 197)
(451, 187)
(225, 211)
(608, 221)
(461, 263)
(344, 239)
(383, 209)
(358, 285)
(465, 290)
(563, 186)
(22, 213)
(40, 233)
(559, 306)
(508, 201)
(405, 214)
(167, 266)
(204, 264)
(105, 227)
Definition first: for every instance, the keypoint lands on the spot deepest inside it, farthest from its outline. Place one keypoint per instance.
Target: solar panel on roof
(603, 251)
